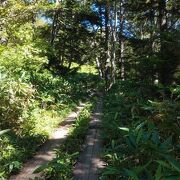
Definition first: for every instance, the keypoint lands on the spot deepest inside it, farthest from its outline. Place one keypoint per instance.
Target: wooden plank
(89, 161)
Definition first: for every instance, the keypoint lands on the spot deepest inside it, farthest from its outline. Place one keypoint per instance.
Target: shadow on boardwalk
(89, 161)
(46, 153)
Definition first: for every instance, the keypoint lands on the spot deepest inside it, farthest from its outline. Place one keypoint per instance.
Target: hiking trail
(89, 162)
(46, 152)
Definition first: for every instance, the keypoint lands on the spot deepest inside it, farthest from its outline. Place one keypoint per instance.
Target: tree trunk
(54, 27)
(164, 74)
(121, 42)
(99, 67)
(114, 40)
(122, 60)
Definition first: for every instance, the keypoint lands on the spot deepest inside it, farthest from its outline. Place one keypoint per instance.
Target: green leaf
(74, 154)
(163, 163)
(129, 143)
(173, 177)
(131, 173)
(111, 171)
(140, 126)
(139, 136)
(155, 137)
(139, 169)
(158, 174)
(4, 131)
(132, 139)
(41, 168)
(167, 143)
(173, 162)
(116, 115)
(124, 129)
(112, 144)
(146, 136)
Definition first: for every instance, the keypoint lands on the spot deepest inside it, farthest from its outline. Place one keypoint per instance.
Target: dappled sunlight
(47, 152)
(98, 163)
(66, 57)
(89, 161)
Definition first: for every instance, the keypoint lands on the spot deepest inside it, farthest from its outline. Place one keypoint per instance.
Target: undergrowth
(141, 132)
(32, 107)
(62, 166)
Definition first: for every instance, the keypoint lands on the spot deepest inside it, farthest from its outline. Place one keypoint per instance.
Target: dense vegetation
(141, 132)
(51, 52)
(33, 117)
(61, 167)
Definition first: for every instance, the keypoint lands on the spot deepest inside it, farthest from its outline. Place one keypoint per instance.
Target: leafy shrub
(39, 103)
(22, 54)
(15, 98)
(140, 135)
(5, 152)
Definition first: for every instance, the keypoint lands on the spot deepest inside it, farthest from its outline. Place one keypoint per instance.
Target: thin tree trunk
(121, 42)
(54, 27)
(99, 67)
(114, 39)
(55, 24)
(164, 76)
(107, 33)
(122, 60)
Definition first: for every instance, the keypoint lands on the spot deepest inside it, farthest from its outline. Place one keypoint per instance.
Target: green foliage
(62, 166)
(140, 135)
(23, 56)
(32, 106)
(15, 98)
(4, 131)
(141, 124)
(59, 167)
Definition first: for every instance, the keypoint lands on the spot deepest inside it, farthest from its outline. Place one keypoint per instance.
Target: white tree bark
(121, 41)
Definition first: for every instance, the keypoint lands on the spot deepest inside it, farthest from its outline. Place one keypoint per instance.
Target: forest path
(89, 161)
(46, 152)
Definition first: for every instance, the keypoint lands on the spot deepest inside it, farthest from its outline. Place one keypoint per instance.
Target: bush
(141, 133)
(15, 98)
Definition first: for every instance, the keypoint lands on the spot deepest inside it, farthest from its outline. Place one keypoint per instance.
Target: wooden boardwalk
(89, 162)
(46, 153)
